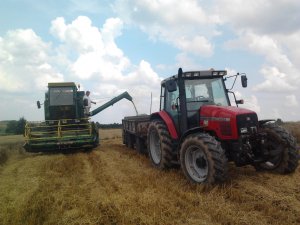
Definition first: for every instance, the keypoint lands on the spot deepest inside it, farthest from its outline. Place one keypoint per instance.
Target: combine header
(65, 126)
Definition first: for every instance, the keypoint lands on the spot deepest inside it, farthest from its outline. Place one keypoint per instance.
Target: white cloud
(24, 64)
(275, 81)
(184, 24)
(98, 54)
(186, 62)
(273, 35)
(250, 102)
(291, 101)
(260, 16)
(80, 35)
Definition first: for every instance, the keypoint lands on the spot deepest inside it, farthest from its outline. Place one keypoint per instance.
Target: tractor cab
(183, 95)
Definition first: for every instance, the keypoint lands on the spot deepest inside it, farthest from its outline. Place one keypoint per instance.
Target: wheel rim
(155, 150)
(196, 163)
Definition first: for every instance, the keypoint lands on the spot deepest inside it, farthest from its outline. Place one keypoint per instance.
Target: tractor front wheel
(281, 145)
(203, 160)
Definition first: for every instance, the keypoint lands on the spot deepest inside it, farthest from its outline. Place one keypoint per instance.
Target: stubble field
(114, 185)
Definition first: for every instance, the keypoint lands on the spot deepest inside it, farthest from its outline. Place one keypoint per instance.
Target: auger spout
(111, 102)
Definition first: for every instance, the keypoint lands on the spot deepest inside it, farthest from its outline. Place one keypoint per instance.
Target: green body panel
(63, 101)
(60, 134)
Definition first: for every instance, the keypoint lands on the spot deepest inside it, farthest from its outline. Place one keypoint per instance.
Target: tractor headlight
(244, 130)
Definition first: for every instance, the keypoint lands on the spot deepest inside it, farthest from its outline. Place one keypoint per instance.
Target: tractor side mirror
(38, 104)
(241, 101)
(244, 81)
(171, 85)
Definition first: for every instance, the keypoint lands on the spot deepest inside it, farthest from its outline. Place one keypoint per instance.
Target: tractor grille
(247, 123)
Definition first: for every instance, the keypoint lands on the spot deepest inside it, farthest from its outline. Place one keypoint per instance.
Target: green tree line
(16, 126)
(108, 126)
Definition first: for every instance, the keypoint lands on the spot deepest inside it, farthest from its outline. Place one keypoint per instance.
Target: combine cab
(65, 126)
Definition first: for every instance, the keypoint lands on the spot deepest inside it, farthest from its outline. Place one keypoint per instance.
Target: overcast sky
(131, 45)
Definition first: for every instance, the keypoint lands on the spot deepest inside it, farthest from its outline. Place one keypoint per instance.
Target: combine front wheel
(202, 159)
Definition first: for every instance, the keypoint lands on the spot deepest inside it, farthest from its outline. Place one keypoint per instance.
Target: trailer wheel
(159, 145)
(282, 150)
(203, 160)
(130, 142)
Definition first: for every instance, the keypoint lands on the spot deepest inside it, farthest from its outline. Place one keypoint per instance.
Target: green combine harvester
(65, 126)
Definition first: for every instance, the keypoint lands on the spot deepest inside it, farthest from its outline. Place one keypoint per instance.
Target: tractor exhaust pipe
(182, 101)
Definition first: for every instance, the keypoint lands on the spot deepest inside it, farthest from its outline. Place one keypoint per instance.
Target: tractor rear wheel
(282, 150)
(159, 145)
(203, 160)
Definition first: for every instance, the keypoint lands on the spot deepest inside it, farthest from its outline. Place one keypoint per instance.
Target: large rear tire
(282, 149)
(203, 160)
(159, 145)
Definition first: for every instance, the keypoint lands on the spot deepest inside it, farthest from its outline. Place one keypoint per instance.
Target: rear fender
(189, 132)
(163, 115)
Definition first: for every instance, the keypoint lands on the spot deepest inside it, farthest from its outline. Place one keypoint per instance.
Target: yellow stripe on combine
(57, 129)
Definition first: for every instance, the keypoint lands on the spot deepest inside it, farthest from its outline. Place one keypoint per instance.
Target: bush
(16, 127)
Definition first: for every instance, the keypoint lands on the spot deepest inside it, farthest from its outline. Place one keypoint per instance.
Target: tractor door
(171, 102)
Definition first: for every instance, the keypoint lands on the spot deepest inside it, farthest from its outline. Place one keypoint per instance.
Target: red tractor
(198, 128)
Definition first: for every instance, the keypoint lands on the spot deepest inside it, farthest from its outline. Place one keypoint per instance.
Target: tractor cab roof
(203, 74)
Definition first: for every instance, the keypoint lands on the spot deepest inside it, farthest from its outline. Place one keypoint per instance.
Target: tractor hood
(228, 122)
(223, 111)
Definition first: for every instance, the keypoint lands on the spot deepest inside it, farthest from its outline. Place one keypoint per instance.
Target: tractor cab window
(219, 93)
(204, 92)
(61, 96)
(172, 101)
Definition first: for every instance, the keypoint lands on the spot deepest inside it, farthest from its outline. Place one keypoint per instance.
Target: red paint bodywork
(215, 118)
(169, 122)
(219, 119)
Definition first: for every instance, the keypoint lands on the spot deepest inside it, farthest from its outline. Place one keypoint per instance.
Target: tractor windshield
(61, 96)
(205, 91)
